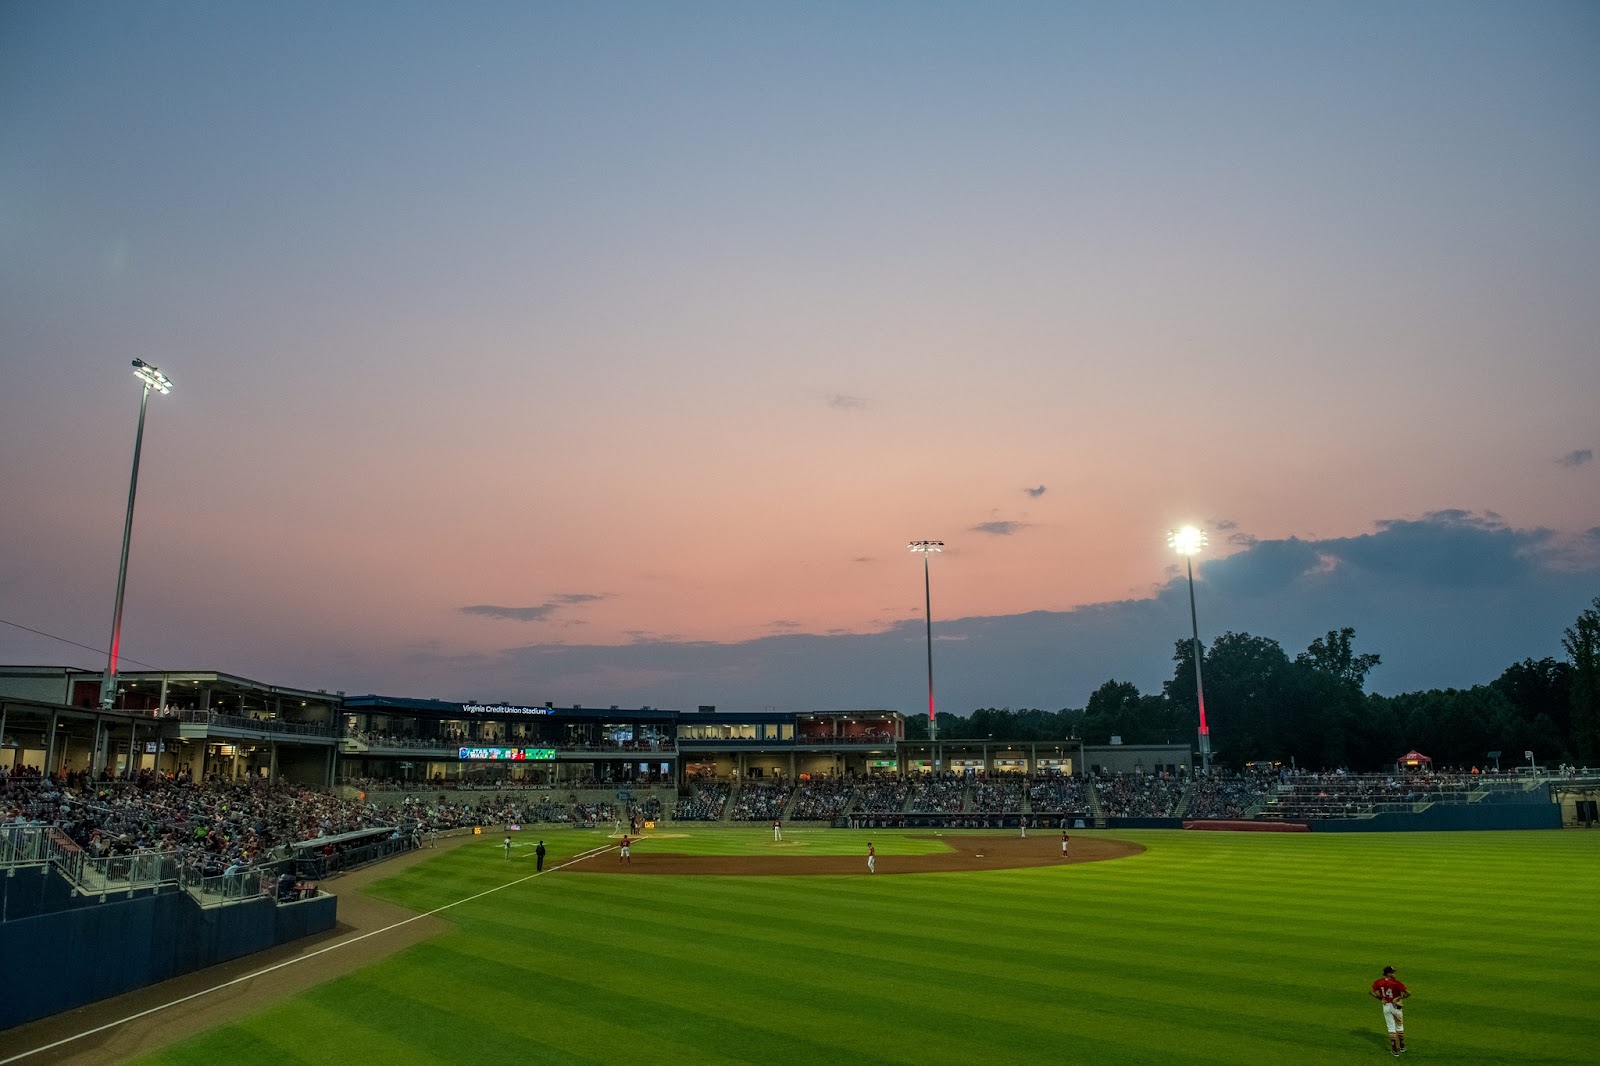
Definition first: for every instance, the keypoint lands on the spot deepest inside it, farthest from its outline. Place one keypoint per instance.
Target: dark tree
(1334, 656)
(1582, 641)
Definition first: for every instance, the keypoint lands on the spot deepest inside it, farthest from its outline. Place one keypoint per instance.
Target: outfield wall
(1448, 817)
(64, 958)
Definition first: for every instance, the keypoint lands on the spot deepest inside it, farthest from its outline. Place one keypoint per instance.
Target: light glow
(1186, 541)
(926, 546)
(152, 377)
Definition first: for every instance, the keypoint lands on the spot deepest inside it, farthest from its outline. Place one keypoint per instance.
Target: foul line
(301, 958)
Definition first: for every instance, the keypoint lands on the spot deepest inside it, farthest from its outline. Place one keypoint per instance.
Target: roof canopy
(1412, 759)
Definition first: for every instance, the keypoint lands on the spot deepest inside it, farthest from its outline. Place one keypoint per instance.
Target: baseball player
(1390, 992)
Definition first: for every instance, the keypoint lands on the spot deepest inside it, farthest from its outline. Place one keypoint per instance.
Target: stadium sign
(503, 754)
(503, 708)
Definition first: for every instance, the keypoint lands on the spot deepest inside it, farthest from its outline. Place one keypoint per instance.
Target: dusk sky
(611, 353)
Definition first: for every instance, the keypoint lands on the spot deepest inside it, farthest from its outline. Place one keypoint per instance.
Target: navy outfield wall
(65, 958)
(1450, 816)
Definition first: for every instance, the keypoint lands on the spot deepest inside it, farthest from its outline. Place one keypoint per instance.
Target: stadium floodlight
(927, 548)
(1187, 542)
(153, 379)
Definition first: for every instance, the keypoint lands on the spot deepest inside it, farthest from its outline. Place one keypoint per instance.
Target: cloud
(844, 402)
(1576, 458)
(1449, 600)
(539, 613)
(1225, 523)
(515, 614)
(999, 529)
(1035, 493)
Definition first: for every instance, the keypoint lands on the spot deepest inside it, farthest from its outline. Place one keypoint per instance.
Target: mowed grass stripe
(1207, 948)
(629, 997)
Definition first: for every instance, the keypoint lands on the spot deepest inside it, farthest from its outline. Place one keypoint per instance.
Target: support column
(50, 747)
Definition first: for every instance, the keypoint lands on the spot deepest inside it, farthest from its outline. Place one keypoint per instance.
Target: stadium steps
(788, 804)
(1185, 802)
(1092, 794)
(733, 798)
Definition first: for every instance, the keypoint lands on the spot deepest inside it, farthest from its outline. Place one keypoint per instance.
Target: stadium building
(213, 723)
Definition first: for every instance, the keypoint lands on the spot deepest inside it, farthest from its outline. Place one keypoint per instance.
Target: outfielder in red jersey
(1389, 991)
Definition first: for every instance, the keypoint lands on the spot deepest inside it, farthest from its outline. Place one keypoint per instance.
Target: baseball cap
(1388, 969)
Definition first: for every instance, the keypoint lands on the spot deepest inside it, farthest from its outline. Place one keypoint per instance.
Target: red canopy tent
(1414, 760)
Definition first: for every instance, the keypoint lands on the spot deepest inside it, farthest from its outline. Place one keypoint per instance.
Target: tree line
(1314, 710)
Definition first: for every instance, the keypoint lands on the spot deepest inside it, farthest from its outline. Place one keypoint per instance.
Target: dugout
(321, 856)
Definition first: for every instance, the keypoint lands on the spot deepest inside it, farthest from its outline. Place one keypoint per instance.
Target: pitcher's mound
(965, 854)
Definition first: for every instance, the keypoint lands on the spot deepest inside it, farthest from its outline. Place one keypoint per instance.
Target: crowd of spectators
(1057, 793)
(211, 826)
(377, 739)
(882, 795)
(821, 799)
(1139, 795)
(1227, 795)
(1337, 794)
(998, 793)
(704, 803)
(943, 793)
(760, 800)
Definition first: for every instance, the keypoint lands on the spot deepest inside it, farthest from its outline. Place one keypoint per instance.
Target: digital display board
(504, 754)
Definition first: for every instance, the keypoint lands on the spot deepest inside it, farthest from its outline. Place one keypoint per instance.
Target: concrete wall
(65, 958)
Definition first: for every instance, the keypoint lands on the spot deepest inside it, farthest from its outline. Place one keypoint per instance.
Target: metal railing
(260, 725)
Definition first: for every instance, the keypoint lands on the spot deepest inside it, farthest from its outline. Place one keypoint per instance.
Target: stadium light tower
(927, 548)
(152, 378)
(1187, 542)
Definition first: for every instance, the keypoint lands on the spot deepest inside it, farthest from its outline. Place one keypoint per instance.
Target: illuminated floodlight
(154, 381)
(152, 377)
(1186, 541)
(925, 548)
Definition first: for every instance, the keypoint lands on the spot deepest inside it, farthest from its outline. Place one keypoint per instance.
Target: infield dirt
(966, 854)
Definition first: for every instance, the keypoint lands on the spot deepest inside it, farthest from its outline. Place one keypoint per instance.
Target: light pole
(927, 548)
(152, 379)
(1186, 542)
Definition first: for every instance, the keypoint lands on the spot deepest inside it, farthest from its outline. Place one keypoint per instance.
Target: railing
(249, 882)
(261, 725)
(371, 742)
(22, 844)
(139, 869)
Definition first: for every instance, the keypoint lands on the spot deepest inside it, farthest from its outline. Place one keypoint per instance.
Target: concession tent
(1414, 760)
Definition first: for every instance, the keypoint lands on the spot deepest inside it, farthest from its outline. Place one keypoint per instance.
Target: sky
(612, 353)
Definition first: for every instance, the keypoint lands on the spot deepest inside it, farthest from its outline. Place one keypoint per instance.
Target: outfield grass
(1206, 948)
